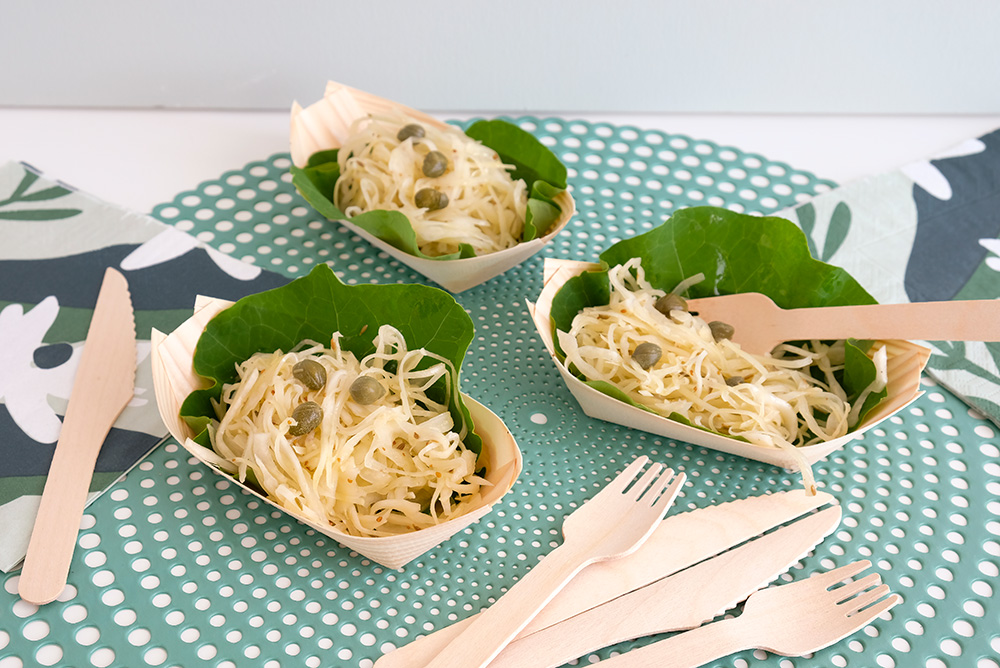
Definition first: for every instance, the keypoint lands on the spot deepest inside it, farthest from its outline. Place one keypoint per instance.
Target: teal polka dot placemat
(177, 567)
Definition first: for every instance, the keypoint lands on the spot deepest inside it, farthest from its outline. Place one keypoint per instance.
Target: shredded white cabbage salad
(485, 207)
(771, 400)
(392, 466)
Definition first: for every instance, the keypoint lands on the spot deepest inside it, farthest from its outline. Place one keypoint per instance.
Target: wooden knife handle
(103, 386)
(53, 540)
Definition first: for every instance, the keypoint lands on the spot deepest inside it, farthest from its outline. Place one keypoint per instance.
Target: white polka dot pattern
(177, 567)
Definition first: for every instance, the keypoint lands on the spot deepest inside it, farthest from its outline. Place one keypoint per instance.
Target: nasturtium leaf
(325, 157)
(859, 373)
(543, 210)
(532, 160)
(315, 182)
(591, 288)
(544, 175)
(314, 307)
(736, 253)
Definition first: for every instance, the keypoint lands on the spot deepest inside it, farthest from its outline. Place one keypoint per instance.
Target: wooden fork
(791, 620)
(759, 324)
(612, 524)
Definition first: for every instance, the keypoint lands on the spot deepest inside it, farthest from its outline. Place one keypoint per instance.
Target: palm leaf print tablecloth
(927, 232)
(56, 246)
(175, 567)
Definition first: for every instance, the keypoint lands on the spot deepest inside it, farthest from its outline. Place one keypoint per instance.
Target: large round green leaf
(736, 253)
(314, 307)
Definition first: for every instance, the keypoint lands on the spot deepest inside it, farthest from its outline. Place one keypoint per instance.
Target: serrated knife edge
(682, 601)
(679, 541)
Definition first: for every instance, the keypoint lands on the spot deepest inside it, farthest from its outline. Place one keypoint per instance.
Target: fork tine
(664, 489)
(626, 477)
(864, 599)
(643, 483)
(844, 572)
(622, 480)
(876, 610)
(666, 499)
(852, 588)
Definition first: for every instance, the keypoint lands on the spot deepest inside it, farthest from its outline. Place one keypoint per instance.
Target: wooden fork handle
(689, 649)
(973, 320)
(492, 630)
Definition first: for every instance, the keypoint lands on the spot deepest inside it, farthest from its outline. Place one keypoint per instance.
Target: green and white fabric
(929, 231)
(54, 246)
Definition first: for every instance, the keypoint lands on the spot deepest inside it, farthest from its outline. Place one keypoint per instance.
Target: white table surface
(140, 158)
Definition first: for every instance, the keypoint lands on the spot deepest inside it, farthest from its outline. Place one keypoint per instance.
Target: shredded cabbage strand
(390, 467)
(486, 208)
(785, 399)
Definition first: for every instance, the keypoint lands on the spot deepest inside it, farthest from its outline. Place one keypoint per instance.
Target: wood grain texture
(678, 542)
(326, 124)
(792, 620)
(906, 360)
(103, 385)
(174, 378)
(759, 324)
(612, 524)
(706, 590)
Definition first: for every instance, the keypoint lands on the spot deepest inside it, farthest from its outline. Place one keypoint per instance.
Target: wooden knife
(682, 601)
(679, 542)
(103, 385)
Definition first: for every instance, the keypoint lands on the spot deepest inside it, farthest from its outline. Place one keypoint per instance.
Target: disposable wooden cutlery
(610, 525)
(103, 385)
(791, 620)
(678, 542)
(759, 324)
(682, 601)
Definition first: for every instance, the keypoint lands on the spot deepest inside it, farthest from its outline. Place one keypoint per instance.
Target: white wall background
(741, 56)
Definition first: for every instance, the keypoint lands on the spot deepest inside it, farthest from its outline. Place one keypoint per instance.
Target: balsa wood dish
(325, 125)
(905, 362)
(174, 379)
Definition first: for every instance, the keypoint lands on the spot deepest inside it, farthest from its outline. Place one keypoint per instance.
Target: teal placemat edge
(243, 583)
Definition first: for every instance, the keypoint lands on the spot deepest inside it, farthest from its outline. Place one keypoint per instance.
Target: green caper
(307, 416)
(721, 330)
(733, 381)
(670, 302)
(310, 373)
(366, 390)
(435, 164)
(430, 199)
(414, 130)
(647, 354)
